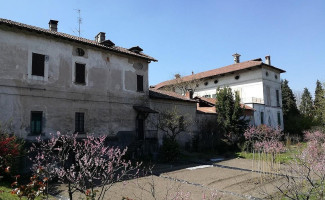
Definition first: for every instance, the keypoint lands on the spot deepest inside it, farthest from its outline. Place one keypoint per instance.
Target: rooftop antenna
(79, 22)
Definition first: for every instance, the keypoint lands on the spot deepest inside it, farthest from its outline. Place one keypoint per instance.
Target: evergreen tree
(289, 105)
(291, 116)
(230, 115)
(306, 105)
(319, 102)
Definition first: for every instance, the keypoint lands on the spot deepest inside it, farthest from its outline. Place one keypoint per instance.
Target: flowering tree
(265, 138)
(83, 164)
(266, 141)
(306, 173)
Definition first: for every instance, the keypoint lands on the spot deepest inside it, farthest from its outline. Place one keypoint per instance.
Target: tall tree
(319, 102)
(230, 114)
(288, 99)
(291, 115)
(306, 105)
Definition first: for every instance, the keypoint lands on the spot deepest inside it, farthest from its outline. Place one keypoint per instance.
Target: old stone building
(51, 81)
(257, 83)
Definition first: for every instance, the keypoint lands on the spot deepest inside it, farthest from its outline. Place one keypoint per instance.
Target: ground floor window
(279, 119)
(80, 122)
(262, 117)
(36, 122)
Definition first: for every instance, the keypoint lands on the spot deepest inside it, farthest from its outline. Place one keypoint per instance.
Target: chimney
(236, 57)
(268, 60)
(177, 76)
(53, 25)
(100, 37)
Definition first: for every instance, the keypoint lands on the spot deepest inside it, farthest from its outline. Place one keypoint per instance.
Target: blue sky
(188, 35)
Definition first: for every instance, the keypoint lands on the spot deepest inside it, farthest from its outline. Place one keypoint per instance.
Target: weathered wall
(107, 98)
(187, 109)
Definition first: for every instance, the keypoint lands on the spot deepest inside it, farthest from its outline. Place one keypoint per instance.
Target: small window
(279, 119)
(36, 122)
(80, 122)
(139, 83)
(80, 73)
(277, 98)
(80, 52)
(262, 117)
(267, 73)
(237, 77)
(216, 81)
(38, 66)
(206, 83)
(276, 76)
(197, 85)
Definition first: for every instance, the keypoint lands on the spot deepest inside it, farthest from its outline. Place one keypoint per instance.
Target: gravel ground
(231, 179)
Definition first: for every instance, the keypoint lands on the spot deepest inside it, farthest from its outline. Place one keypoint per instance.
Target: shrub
(169, 150)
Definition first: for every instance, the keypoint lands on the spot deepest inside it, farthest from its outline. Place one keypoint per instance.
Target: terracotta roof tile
(162, 94)
(219, 71)
(74, 38)
(211, 110)
(213, 101)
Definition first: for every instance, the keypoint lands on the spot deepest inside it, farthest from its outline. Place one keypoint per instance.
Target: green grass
(284, 158)
(5, 193)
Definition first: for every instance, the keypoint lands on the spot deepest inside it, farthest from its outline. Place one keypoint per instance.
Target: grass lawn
(283, 158)
(5, 193)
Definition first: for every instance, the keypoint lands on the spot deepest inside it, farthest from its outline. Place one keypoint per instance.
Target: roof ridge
(76, 38)
(198, 75)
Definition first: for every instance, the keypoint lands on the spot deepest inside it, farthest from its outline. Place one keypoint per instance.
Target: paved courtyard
(231, 179)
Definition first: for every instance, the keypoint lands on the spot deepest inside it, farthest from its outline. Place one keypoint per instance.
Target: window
(268, 95)
(279, 119)
(38, 64)
(237, 77)
(80, 52)
(277, 98)
(262, 117)
(80, 122)
(139, 83)
(36, 122)
(80, 73)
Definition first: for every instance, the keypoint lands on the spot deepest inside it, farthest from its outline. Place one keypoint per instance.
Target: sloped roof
(213, 101)
(162, 94)
(206, 110)
(74, 38)
(219, 71)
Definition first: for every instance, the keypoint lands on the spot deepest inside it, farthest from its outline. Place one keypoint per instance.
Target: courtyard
(229, 179)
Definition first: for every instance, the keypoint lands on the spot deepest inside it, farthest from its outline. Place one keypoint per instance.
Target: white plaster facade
(259, 87)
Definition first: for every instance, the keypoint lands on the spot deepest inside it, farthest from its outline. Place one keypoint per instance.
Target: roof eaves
(72, 38)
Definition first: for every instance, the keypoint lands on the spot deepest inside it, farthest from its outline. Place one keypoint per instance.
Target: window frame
(77, 66)
(140, 87)
(33, 126)
(279, 118)
(262, 117)
(79, 122)
(38, 65)
(277, 96)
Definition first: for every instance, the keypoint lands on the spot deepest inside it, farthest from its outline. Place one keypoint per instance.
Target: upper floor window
(36, 122)
(139, 83)
(80, 73)
(38, 64)
(80, 52)
(277, 98)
